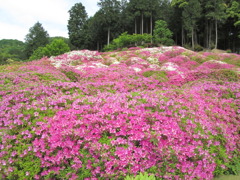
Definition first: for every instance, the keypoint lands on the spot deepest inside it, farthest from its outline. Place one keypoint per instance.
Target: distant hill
(11, 49)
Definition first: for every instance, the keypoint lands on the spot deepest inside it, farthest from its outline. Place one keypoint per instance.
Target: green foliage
(158, 75)
(234, 12)
(141, 176)
(37, 37)
(161, 34)
(232, 61)
(56, 47)
(127, 40)
(38, 54)
(229, 51)
(45, 77)
(28, 164)
(234, 165)
(198, 47)
(225, 75)
(71, 75)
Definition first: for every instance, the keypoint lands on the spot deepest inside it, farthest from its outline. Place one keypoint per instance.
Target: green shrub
(198, 47)
(38, 54)
(56, 47)
(229, 51)
(127, 40)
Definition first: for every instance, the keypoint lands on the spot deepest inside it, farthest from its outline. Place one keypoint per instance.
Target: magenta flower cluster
(166, 111)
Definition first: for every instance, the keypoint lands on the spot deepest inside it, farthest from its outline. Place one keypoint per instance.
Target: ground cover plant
(165, 113)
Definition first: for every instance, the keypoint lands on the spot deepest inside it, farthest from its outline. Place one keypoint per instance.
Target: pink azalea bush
(164, 111)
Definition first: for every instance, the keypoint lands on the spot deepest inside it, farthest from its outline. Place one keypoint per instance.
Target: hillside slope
(166, 111)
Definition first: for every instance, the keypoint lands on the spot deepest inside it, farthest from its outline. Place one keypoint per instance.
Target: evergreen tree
(37, 37)
(78, 17)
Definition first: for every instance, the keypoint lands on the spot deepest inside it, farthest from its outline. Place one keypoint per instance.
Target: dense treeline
(195, 24)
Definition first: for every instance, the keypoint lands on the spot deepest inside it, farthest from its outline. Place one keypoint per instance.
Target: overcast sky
(18, 16)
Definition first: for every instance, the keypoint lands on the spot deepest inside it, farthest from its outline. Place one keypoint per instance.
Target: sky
(18, 16)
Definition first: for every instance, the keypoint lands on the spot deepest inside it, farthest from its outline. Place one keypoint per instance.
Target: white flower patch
(91, 65)
(136, 69)
(116, 62)
(113, 60)
(151, 50)
(135, 59)
(166, 48)
(99, 65)
(152, 60)
(169, 66)
(86, 53)
(154, 66)
(57, 64)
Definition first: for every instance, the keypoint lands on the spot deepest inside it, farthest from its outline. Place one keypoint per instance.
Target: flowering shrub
(101, 118)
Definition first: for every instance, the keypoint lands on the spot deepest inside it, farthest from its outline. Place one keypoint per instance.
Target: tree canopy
(193, 23)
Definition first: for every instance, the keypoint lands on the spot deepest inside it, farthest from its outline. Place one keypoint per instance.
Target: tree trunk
(142, 24)
(151, 27)
(207, 32)
(135, 25)
(108, 42)
(210, 36)
(196, 38)
(147, 27)
(216, 30)
(182, 36)
(98, 45)
(193, 38)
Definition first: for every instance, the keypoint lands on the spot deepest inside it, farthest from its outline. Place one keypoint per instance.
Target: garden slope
(167, 111)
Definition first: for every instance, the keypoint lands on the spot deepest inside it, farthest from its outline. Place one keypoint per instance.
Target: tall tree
(78, 17)
(137, 7)
(151, 12)
(217, 14)
(111, 12)
(191, 14)
(37, 37)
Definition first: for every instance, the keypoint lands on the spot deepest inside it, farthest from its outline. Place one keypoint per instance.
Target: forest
(194, 24)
